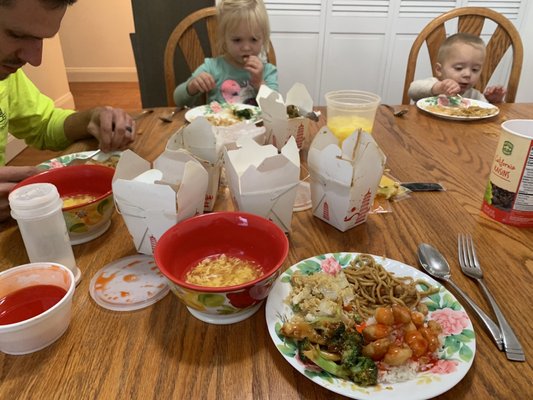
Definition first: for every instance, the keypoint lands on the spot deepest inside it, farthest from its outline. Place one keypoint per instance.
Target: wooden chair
(185, 36)
(471, 20)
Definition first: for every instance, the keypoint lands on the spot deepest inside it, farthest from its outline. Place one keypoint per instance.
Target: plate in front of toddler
(466, 110)
(225, 114)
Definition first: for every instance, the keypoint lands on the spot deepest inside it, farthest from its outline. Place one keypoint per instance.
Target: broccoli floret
(244, 113)
(352, 365)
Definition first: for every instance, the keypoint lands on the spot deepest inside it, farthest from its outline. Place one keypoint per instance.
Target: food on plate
(222, 271)
(227, 114)
(362, 323)
(77, 199)
(458, 106)
(112, 161)
(375, 287)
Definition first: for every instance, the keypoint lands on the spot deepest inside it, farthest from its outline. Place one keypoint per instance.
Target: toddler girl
(236, 75)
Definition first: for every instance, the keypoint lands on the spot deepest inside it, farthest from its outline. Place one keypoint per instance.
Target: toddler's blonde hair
(467, 38)
(231, 13)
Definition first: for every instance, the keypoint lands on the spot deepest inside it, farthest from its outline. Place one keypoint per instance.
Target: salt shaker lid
(34, 200)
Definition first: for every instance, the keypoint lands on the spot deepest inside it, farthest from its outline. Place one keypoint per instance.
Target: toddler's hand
(495, 94)
(448, 87)
(201, 83)
(254, 66)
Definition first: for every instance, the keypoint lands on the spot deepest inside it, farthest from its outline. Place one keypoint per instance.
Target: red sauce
(28, 302)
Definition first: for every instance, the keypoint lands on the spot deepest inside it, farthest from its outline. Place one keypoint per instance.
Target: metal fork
(471, 268)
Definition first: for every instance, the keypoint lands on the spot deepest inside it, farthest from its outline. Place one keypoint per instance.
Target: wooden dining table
(163, 352)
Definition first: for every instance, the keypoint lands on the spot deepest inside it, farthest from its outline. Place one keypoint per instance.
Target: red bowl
(88, 220)
(237, 234)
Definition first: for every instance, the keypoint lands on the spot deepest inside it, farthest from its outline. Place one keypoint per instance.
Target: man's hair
(48, 3)
(231, 13)
(460, 37)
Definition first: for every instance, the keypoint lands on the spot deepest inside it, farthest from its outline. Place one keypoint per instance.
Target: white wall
(96, 43)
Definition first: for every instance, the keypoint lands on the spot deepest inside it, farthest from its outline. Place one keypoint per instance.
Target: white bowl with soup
(35, 306)
(87, 198)
(222, 265)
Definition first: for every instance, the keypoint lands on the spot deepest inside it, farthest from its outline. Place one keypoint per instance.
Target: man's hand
(114, 128)
(447, 87)
(9, 177)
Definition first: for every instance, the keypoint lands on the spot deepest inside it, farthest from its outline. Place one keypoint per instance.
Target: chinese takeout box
(151, 200)
(200, 140)
(279, 127)
(263, 181)
(344, 181)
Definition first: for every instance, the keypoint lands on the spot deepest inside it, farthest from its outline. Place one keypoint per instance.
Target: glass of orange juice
(348, 110)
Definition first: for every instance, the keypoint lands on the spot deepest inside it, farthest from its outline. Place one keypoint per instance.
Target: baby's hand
(448, 87)
(201, 83)
(495, 94)
(254, 66)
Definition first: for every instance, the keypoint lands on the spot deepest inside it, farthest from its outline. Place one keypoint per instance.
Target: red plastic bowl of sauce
(35, 306)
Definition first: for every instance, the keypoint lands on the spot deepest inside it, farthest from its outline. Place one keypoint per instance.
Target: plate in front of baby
(457, 108)
(225, 114)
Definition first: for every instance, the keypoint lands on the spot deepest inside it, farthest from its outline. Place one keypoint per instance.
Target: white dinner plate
(455, 358)
(107, 159)
(206, 111)
(428, 103)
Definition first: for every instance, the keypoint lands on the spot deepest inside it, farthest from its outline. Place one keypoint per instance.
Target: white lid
(129, 283)
(34, 201)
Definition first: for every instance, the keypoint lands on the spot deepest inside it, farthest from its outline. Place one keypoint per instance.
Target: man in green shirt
(28, 114)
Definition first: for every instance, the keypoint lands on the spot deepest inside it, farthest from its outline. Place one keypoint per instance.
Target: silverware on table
(471, 268)
(81, 159)
(168, 118)
(142, 114)
(396, 113)
(436, 265)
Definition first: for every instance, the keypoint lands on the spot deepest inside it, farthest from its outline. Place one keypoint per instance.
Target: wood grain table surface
(163, 352)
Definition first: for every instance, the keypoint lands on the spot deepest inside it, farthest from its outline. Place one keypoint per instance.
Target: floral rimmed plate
(222, 114)
(107, 159)
(455, 358)
(433, 106)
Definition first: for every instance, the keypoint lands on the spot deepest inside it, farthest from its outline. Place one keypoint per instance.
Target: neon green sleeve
(30, 115)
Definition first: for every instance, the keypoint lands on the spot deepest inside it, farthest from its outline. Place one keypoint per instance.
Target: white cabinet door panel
(298, 60)
(352, 61)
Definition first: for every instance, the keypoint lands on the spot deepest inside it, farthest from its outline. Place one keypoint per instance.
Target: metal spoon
(398, 113)
(436, 265)
(168, 118)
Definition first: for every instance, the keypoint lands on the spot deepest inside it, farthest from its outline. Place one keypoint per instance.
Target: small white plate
(107, 159)
(226, 113)
(428, 105)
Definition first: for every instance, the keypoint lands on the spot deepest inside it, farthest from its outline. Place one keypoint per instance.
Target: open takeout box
(279, 127)
(263, 181)
(344, 181)
(153, 200)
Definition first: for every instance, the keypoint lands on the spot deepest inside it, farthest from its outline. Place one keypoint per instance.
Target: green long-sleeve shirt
(28, 114)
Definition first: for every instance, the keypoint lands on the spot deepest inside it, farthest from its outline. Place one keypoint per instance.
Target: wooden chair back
(471, 20)
(185, 36)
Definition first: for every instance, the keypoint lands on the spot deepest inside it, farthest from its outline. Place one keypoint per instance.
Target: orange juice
(343, 126)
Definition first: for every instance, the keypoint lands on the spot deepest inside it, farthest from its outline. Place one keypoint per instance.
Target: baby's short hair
(460, 37)
(231, 13)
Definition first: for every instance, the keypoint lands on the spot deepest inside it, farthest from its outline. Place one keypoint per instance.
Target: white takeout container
(344, 181)
(199, 138)
(153, 200)
(263, 181)
(44, 329)
(279, 127)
